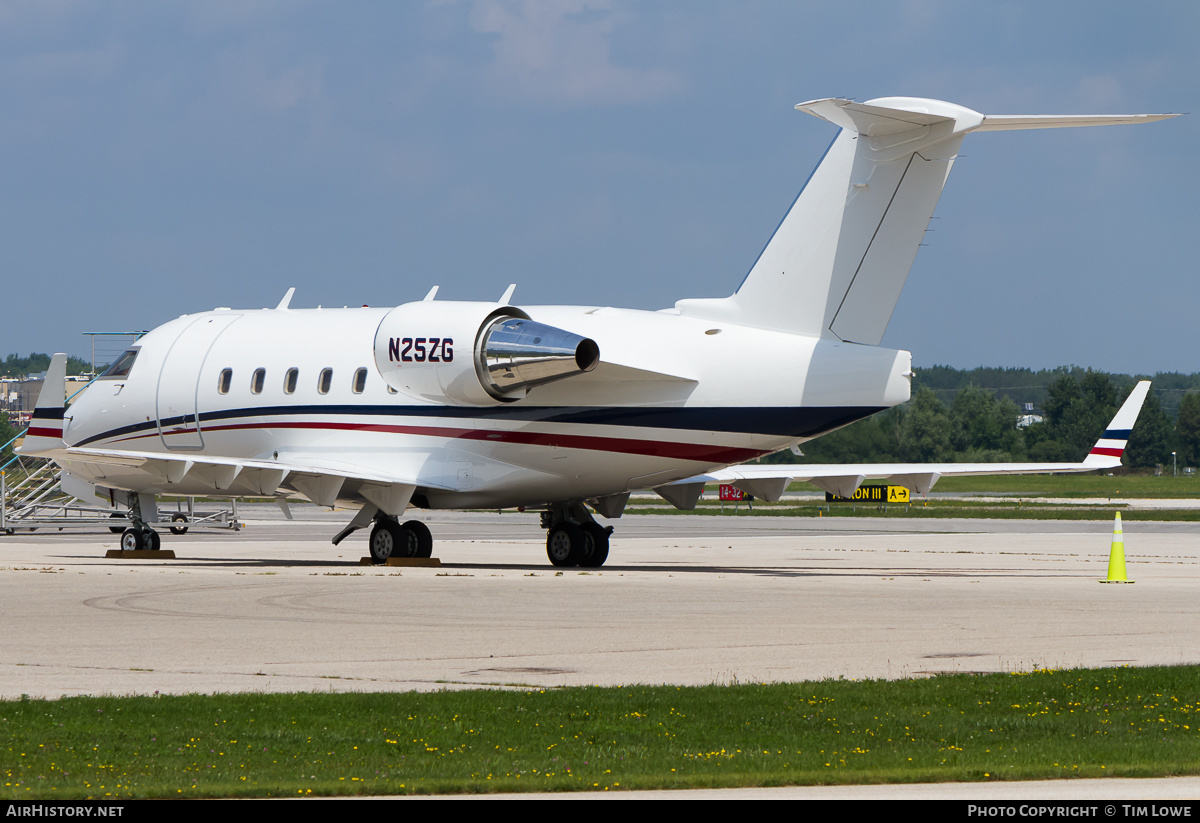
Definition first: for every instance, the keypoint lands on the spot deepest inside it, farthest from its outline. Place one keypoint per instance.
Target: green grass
(1047, 724)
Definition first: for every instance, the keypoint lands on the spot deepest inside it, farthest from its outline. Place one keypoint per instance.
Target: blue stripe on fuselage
(778, 422)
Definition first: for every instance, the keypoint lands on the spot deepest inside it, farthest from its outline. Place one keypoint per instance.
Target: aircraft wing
(768, 482)
(321, 481)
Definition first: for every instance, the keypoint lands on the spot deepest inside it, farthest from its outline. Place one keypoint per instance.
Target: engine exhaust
(514, 354)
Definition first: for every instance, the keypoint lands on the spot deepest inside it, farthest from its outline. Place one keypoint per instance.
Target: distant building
(19, 395)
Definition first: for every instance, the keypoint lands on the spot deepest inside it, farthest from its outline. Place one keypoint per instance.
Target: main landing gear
(573, 538)
(390, 538)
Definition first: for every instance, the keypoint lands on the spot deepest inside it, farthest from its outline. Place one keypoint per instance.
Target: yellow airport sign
(873, 494)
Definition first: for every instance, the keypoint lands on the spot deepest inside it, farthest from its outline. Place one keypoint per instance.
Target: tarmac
(682, 600)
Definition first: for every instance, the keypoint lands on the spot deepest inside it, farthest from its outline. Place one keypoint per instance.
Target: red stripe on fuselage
(653, 448)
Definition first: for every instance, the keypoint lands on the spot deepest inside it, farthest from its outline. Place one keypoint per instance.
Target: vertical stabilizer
(46, 427)
(838, 261)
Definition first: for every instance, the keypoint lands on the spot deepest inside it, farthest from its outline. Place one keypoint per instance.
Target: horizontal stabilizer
(902, 114)
(838, 261)
(1015, 122)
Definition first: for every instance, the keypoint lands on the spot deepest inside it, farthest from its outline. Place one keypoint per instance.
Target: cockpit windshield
(122, 365)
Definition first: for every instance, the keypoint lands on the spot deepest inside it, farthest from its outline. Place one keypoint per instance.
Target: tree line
(16, 366)
(1031, 386)
(979, 425)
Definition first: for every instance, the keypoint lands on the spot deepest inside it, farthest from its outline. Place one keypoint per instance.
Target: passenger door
(178, 382)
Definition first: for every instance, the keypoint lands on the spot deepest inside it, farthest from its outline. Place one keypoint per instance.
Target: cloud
(561, 53)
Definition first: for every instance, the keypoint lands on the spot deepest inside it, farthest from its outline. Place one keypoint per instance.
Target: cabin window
(122, 365)
(257, 381)
(325, 381)
(224, 381)
(289, 381)
(360, 381)
(392, 391)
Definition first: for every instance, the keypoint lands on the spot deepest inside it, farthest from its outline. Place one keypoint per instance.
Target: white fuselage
(672, 396)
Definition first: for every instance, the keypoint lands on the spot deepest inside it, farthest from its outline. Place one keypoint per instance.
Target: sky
(163, 158)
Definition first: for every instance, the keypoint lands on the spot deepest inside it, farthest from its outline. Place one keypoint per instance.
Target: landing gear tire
(421, 537)
(116, 529)
(596, 550)
(132, 540)
(566, 544)
(182, 520)
(388, 538)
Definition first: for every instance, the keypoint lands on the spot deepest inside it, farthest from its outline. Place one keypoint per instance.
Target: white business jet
(563, 409)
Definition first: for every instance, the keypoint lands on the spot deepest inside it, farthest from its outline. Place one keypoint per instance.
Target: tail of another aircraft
(46, 427)
(836, 264)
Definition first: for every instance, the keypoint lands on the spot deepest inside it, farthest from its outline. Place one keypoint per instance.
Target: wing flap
(320, 481)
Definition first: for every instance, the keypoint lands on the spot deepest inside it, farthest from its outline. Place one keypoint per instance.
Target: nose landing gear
(134, 539)
(139, 536)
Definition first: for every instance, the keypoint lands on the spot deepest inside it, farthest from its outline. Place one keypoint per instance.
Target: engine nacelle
(474, 354)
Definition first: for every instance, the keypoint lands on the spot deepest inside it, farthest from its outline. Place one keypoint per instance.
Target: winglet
(1116, 437)
(287, 299)
(46, 427)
